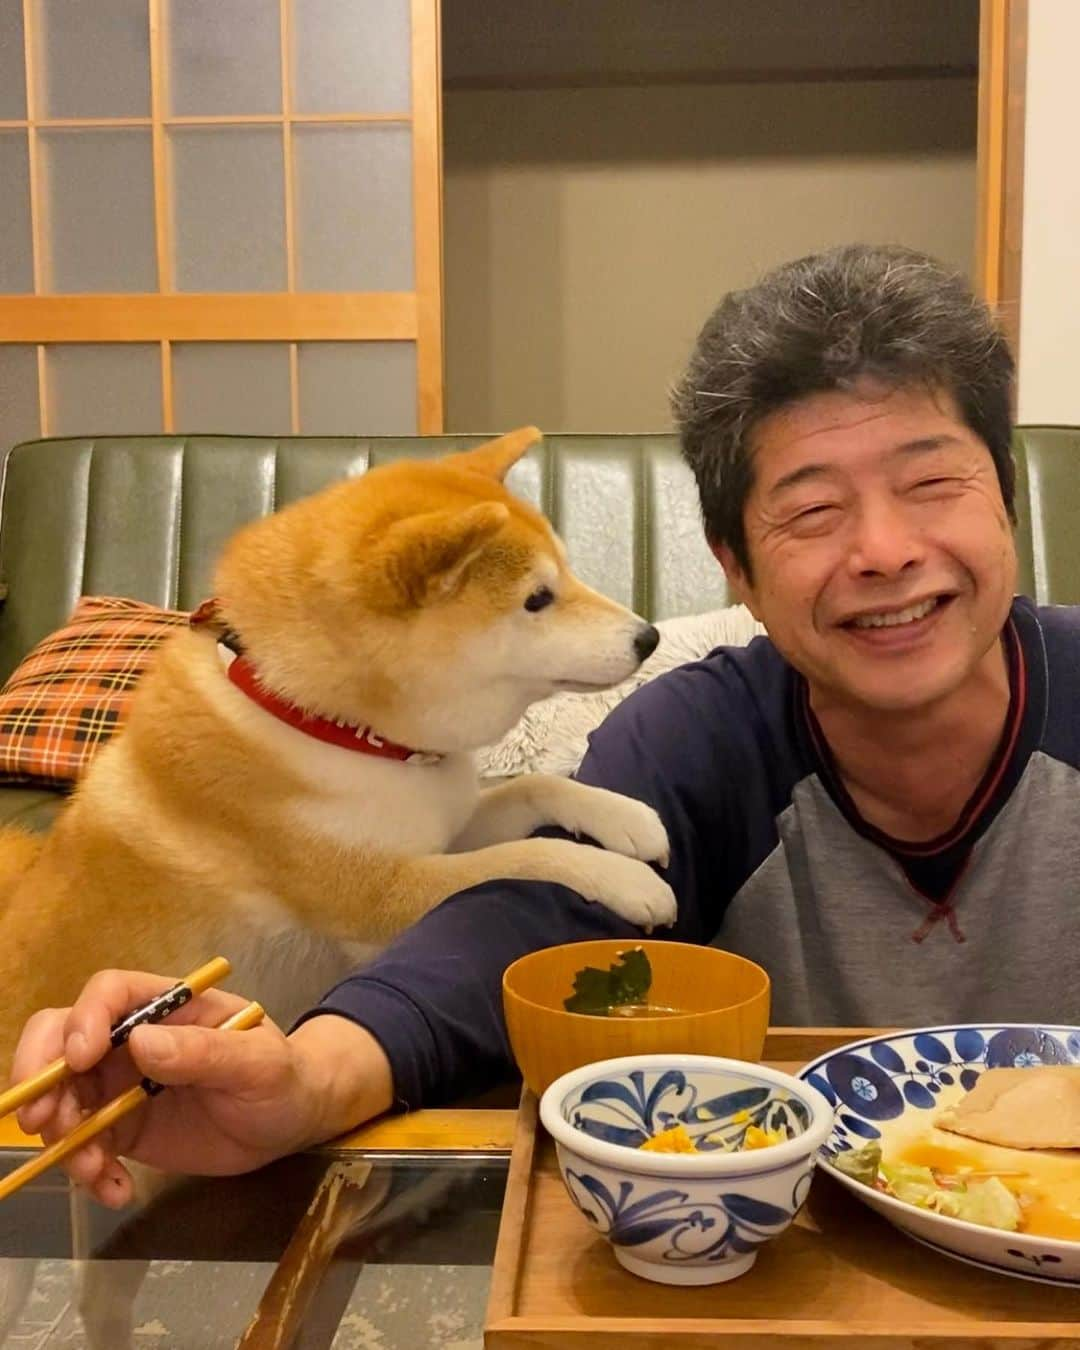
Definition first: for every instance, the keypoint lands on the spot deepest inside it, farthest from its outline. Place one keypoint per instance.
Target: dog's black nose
(646, 640)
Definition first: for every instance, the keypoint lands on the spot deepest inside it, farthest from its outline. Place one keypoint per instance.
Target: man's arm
(433, 999)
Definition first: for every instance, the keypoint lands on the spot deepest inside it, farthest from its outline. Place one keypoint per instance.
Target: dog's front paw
(624, 825)
(632, 890)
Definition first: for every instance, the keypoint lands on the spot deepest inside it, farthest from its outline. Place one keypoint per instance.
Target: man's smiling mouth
(896, 618)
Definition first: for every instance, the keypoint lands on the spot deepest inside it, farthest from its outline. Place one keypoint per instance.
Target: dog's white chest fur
(401, 808)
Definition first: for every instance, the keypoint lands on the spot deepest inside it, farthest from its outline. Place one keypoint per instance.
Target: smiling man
(878, 801)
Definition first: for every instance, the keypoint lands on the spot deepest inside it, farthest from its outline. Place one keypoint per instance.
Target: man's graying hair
(820, 324)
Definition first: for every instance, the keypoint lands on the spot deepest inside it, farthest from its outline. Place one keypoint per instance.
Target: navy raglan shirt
(769, 858)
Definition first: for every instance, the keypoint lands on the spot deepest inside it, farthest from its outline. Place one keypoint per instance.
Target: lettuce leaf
(914, 1185)
(988, 1202)
(860, 1163)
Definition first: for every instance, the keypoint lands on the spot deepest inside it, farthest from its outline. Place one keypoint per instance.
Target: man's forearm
(433, 999)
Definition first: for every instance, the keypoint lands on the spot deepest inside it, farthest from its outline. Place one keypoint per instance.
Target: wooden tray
(839, 1276)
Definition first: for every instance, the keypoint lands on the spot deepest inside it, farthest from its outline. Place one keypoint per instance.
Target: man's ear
(737, 578)
(425, 558)
(495, 458)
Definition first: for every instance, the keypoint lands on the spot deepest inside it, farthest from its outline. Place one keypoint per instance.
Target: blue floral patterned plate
(889, 1084)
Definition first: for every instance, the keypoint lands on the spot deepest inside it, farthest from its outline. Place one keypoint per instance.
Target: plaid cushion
(73, 690)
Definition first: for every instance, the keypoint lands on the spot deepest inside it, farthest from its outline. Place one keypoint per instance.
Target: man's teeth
(908, 615)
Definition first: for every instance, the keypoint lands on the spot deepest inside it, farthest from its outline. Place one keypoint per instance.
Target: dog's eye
(540, 599)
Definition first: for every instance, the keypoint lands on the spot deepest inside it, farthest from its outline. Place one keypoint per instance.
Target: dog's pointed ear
(426, 557)
(495, 458)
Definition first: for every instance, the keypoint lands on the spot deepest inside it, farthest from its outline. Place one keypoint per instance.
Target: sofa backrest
(145, 516)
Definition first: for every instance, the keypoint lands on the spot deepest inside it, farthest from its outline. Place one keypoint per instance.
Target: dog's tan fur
(394, 600)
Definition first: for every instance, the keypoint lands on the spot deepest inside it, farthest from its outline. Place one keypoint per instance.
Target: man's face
(883, 561)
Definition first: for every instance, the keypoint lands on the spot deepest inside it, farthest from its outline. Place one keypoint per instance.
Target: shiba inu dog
(295, 779)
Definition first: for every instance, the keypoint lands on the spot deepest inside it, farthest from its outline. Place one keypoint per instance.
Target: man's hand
(236, 1099)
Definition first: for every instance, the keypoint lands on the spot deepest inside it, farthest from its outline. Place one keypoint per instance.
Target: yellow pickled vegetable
(673, 1140)
(756, 1137)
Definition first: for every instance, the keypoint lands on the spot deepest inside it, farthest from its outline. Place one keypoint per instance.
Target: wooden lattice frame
(291, 316)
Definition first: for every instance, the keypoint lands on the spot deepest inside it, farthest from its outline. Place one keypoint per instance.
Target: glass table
(353, 1249)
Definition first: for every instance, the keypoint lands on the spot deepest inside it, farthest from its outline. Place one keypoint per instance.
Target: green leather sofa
(145, 516)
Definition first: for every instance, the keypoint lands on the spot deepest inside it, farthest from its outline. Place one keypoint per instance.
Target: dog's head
(424, 599)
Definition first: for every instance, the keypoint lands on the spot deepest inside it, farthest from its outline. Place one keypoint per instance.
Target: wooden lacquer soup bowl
(702, 1001)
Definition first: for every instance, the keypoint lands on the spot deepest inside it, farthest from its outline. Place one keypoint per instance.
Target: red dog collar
(346, 736)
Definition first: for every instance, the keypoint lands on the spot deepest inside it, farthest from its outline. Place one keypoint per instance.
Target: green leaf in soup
(626, 981)
(592, 992)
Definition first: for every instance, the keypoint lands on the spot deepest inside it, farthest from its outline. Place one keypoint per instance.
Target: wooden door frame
(428, 213)
(999, 226)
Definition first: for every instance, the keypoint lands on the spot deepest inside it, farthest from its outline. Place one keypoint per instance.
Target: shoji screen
(220, 215)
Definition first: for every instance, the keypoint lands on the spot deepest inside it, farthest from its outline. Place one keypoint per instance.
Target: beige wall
(589, 231)
(1050, 285)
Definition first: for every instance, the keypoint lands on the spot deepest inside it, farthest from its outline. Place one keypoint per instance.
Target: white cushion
(553, 734)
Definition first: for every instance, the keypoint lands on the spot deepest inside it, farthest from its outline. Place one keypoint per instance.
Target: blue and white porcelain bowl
(892, 1086)
(684, 1218)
